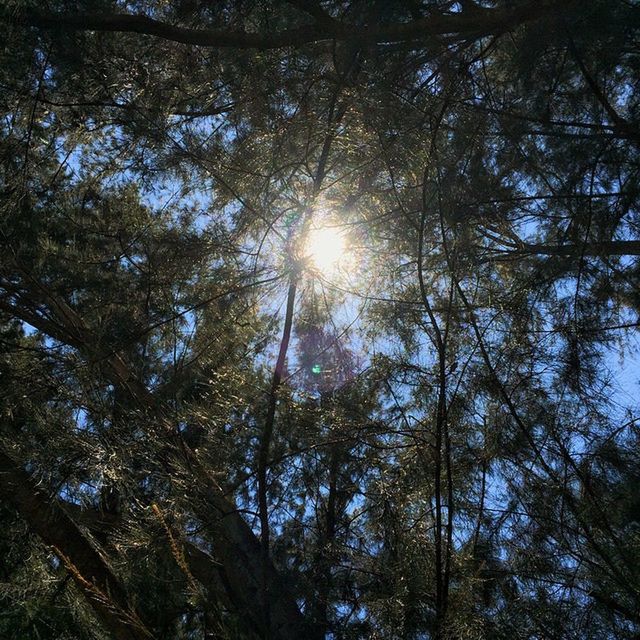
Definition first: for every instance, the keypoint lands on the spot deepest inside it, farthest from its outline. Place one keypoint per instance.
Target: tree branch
(605, 248)
(86, 565)
(464, 25)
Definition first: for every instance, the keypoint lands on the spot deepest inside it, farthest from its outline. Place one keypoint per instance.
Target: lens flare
(325, 249)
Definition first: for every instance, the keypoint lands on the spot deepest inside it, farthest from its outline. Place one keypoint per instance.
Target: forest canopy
(319, 319)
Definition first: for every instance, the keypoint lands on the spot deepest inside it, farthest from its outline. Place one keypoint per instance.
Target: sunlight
(325, 249)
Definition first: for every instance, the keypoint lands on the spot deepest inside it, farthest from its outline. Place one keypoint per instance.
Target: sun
(325, 249)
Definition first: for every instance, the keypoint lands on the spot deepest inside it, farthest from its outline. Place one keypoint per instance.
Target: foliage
(204, 434)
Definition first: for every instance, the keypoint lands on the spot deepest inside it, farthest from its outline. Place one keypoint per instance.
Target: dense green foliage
(205, 434)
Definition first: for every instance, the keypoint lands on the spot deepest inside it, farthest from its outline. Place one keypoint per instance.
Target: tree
(205, 433)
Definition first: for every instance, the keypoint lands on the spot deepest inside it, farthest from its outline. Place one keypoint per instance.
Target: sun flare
(326, 249)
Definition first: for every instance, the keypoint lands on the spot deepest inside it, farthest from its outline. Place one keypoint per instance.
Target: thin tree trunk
(265, 445)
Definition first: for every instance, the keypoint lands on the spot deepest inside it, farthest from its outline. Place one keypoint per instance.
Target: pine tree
(208, 434)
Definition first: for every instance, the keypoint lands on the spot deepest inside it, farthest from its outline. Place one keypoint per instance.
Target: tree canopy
(318, 319)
